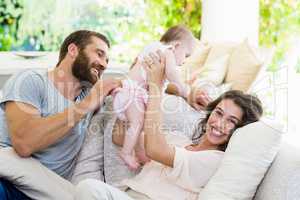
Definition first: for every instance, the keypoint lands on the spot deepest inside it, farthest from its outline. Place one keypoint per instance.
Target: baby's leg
(135, 116)
(140, 149)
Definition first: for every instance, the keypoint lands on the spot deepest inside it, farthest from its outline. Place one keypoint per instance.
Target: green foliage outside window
(10, 14)
(42, 25)
(279, 23)
(167, 13)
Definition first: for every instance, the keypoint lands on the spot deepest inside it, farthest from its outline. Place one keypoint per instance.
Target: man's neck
(65, 82)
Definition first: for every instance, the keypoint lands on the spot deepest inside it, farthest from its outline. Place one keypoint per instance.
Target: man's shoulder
(29, 73)
(24, 81)
(24, 76)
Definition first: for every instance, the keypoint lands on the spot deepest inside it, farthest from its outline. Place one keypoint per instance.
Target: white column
(292, 56)
(230, 20)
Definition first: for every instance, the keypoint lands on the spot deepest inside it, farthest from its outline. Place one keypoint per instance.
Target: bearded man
(44, 115)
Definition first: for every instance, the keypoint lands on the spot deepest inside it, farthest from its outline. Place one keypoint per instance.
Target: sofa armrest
(282, 182)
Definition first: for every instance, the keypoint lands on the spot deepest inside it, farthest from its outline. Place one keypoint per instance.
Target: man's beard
(81, 69)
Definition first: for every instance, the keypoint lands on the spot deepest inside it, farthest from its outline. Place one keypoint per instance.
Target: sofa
(100, 159)
(282, 181)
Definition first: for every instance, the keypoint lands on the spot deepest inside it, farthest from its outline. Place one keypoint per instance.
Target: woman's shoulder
(177, 139)
(204, 156)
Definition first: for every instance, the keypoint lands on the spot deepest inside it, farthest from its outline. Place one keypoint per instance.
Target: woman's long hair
(250, 105)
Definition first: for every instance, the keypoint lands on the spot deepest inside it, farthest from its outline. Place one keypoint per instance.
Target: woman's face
(222, 120)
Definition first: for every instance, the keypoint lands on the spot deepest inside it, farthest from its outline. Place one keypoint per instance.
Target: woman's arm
(155, 143)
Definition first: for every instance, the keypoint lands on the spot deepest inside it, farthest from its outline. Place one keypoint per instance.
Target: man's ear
(73, 50)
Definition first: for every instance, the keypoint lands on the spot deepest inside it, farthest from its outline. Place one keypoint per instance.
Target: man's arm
(197, 98)
(29, 132)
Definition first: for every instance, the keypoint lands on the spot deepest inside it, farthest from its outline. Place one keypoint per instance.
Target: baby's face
(183, 50)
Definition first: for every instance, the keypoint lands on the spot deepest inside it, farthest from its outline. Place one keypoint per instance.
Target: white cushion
(215, 67)
(178, 116)
(195, 62)
(249, 154)
(214, 71)
(33, 178)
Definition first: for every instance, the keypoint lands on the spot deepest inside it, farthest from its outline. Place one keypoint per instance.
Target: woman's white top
(190, 173)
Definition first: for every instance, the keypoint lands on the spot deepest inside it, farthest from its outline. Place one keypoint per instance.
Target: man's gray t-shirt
(34, 88)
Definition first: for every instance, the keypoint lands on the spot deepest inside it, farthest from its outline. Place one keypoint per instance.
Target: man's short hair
(81, 39)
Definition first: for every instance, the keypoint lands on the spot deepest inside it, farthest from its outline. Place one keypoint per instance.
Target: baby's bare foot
(142, 157)
(130, 161)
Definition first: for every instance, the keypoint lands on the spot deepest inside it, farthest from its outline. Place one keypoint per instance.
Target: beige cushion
(33, 178)
(215, 67)
(250, 152)
(263, 77)
(243, 67)
(194, 62)
(214, 71)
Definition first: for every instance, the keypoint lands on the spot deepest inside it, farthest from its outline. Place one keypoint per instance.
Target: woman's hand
(155, 68)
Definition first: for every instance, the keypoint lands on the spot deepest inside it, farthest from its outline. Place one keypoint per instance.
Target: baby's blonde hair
(176, 33)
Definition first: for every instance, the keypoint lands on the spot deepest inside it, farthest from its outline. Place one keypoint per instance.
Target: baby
(130, 101)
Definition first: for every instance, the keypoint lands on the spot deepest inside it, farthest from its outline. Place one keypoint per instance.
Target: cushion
(33, 178)
(115, 169)
(248, 156)
(90, 161)
(262, 79)
(194, 62)
(178, 116)
(243, 66)
(215, 71)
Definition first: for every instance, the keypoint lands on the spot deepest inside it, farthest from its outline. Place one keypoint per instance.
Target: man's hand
(99, 91)
(198, 98)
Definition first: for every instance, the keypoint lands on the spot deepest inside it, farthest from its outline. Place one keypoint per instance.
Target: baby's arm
(172, 74)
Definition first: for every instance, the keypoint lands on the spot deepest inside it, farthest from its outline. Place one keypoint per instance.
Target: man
(45, 114)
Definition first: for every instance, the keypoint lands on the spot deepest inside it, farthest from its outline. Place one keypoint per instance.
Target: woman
(179, 171)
